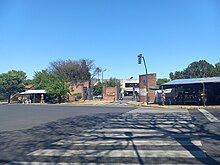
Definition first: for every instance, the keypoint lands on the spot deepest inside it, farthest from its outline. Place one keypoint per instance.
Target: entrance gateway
(195, 91)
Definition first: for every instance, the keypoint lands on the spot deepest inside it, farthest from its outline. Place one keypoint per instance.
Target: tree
(112, 82)
(97, 89)
(98, 70)
(11, 83)
(54, 85)
(217, 69)
(162, 80)
(70, 70)
(41, 79)
(197, 69)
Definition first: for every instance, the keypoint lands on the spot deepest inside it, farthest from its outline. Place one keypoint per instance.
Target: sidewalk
(140, 104)
(91, 102)
(2, 103)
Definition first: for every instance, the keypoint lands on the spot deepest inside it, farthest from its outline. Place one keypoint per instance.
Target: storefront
(196, 91)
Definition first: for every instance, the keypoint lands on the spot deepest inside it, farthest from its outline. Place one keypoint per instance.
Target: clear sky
(169, 33)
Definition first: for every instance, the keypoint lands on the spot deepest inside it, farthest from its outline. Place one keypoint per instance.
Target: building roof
(193, 81)
(33, 92)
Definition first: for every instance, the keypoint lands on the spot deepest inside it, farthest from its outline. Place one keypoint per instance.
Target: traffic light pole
(139, 62)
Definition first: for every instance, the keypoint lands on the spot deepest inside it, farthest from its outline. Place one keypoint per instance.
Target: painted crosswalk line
(209, 116)
(119, 153)
(130, 135)
(50, 163)
(127, 142)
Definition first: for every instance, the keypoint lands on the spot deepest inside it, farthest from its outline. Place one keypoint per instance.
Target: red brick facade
(78, 87)
(110, 93)
(142, 87)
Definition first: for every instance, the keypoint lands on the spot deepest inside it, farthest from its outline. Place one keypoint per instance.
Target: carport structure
(34, 95)
(196, 91)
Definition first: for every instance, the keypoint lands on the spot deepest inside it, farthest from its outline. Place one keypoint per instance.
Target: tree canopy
(197, 69)
(97, 89)
(54, 85)
(112, 82)
(70, 70)
(162, 80)
(11, 83)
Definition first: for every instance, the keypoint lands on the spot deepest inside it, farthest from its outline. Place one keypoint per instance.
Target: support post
(145, 66)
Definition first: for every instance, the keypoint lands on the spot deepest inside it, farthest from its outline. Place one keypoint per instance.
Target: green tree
(41, 79)
(162, 80)
(54, 85)
(28, 82)
(97, 89)
(112, 82)
(11, 83)
(98, 70)
(217, 69)
(197, 69)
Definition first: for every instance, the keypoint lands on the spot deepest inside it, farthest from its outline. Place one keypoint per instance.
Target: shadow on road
(16, 146)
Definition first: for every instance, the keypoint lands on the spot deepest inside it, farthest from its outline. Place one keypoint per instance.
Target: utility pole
(140, 56)
(102, 75)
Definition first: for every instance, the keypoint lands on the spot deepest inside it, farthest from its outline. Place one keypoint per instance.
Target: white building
(129, 86)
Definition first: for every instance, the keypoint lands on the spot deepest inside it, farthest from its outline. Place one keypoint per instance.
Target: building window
(130, 85)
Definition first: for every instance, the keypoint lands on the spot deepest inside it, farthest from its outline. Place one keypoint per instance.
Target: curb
(174, 107)
(90, 103)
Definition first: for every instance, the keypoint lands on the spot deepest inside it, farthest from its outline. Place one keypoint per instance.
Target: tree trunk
(59, 99)
(9, 99)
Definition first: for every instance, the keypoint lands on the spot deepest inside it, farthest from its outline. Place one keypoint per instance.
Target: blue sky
(169, 33)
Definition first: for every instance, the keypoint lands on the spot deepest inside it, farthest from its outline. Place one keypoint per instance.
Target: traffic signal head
(139, 58)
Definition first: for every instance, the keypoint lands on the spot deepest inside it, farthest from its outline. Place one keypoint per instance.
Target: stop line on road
(130, 135)
(209, 116)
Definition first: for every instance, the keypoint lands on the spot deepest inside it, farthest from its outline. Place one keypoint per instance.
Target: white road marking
(119, 153)
(128, 142)
(140, 131)
(209, 116)
(49, 163)
(121, 135)
(124, 130)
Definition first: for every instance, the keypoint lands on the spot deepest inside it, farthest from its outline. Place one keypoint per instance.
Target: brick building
(110, 94)
(79, 89)
(142, 87)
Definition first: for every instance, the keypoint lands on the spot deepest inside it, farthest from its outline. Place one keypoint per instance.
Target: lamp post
(102, 83)
(133, 90)
(140, 56)
(102, 74)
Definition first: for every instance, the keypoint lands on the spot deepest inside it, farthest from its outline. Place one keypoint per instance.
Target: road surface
(54, 134)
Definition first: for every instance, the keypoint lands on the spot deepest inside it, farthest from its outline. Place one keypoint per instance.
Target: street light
(102, 74)
(140, 56)
(102, 83)
(133, 90)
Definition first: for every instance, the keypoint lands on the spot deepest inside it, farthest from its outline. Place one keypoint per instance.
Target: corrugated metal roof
(32, 92)
(193, 81)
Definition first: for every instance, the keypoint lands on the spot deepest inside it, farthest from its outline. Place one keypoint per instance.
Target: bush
(2, 98)
(78, 96)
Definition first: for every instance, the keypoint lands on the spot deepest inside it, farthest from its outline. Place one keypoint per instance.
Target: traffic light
(139, 58)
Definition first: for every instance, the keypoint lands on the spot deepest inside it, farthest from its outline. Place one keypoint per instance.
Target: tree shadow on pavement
(16, 146)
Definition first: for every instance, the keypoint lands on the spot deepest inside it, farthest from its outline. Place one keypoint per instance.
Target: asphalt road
(52, 134)
(19, 116)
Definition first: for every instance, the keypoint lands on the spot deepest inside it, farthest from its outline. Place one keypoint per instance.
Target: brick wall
(142, 86)
(110, 93)
(79, 86)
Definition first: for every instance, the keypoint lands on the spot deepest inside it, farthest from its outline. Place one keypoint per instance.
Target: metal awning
(176, 82)
(193, 81)
(28, 92)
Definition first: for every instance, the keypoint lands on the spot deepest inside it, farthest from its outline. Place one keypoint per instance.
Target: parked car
(98, 97)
